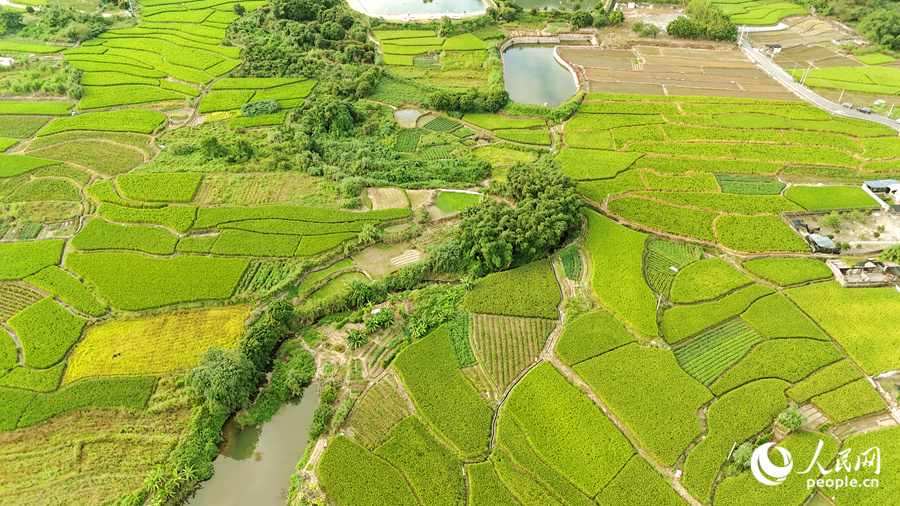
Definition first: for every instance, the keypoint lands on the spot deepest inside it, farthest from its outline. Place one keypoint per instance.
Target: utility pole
(840, 97)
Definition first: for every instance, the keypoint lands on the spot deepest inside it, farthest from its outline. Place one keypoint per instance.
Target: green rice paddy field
(194, 198)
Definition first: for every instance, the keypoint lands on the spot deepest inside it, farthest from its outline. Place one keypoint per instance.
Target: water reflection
(533, 76)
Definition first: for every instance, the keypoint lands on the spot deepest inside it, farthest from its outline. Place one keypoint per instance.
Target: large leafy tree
(496, 236)
(226, 378)
(882, 27)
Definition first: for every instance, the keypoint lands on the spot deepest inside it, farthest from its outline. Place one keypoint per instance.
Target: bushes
(830, 197)
(131, 281)
(174, 187)
(591, 335)
(530, 291)
(618, 279)
(126, 394)
(259, 108)
(736, 416)
(178, 218)
(19, 260)
(566, 430)
(788, 271)
(663, 416)
(824, 380)
(849, 401)
(753, 234)
(127, 120)
(706, 279)
(46, 331)
(665, 217)
(431, 468)
(787, 359)
(99, 234)
(684, 321)
(847, 316)
(431, 375)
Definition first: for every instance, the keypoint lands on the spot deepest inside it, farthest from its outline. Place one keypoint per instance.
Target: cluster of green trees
(496, 236)
(473, 100)
(705, 20)
(64, 24)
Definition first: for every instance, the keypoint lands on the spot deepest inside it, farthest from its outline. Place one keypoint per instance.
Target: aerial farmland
(456, 253)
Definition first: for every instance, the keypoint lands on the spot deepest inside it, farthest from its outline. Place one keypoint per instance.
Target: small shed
(894, 192)
(880, 185)
(822, 244)
(802, 225)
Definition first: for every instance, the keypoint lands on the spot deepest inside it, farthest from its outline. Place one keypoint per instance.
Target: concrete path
(781, 75)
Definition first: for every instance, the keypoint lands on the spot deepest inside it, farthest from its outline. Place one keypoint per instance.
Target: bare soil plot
(376, 259)
(662, 70)
(387, 198)
(802, 30)
(254, 188)
(417, 198)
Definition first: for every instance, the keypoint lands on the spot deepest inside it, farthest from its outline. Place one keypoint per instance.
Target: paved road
(780, 74)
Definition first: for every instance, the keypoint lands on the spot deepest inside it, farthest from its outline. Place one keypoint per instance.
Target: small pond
(256, 463)
(418, 7)
(533, 76)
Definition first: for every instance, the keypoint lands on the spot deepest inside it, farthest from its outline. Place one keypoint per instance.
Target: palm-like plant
(356, 339)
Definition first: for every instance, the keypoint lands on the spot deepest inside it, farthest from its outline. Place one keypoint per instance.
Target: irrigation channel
(533, 75)
(256, 463)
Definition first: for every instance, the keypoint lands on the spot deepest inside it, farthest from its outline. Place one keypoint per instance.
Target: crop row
(431, 468)
(736, 416)
(292, 227)
(13, 165)
(639, 482)
(665, 217)
(664, 420)
(529, 291)
(696, 133)
(21, 127)
(775, 316)
(37, 190)
(693, 349)
(127, 120)
(594, 164)
(104, 157)
(706, 279)
(600, 122)
(787, 359)
(749, 185)
(506, 345)
(659, 270)
(407, 140)
(850, 401)
(495, 122)
(252, 83)
(178, 218)
(699, 182)
(46, 331)
(800, 111)
(353, 475)
(668, 165)
(132, 281)
(618, 279)
(708, 366)
(104, 191)
(567, 430)
(626, 135)
(442, 124)
(65, 286)
(432, 377)
(19, 260)
(459, 334)
(99, 234)
(629, 108)
(167, 187)
(435, 153)
(681, 322)
(685, 99)
(591, 335)
(256, 121)
(36, 380)
(824, 380)
(587, 139)
(571, 261)
(14, 298)
(96, 97)
(753, 234)
(513, 441)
